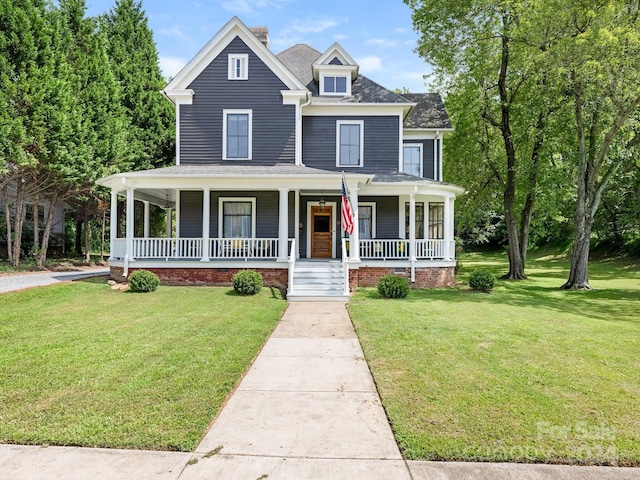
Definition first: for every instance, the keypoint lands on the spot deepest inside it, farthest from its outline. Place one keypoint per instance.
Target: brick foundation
(426, 277)
(272, 277)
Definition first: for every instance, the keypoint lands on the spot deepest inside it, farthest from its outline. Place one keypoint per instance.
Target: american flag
(347, 216)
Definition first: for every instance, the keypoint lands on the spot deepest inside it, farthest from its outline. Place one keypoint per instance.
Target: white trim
(244, 66)
(177, 134)
(179, 96)
(215, 263)
(221, 200)
(234, 28)
(332, 205)
(400, 148)
(339, 123)
(335, 50)
(373, 206)
(226, 112)
(420, 148)
(335, 75)
(325, 109)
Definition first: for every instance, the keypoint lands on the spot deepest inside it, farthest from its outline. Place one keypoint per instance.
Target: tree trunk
(36, 226)
(18, 223)
(516, 267)
(41, 257)
(87, 239)
(7, 215)
(78, 242)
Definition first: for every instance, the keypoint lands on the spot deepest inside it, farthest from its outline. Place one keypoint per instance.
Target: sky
(378, 34)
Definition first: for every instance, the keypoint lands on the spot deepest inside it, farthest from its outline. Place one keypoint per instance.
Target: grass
(528, 373)
(82, 364)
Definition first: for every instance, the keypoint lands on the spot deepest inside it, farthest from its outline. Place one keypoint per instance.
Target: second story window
(236, 136)
(412, 159)
(238, 66)
(350, 143)
(334, 85)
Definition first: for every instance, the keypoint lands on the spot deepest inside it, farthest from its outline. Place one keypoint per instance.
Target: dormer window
(334, 85)
(238, 66)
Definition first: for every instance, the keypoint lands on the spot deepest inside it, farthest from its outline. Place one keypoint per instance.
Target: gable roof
(428, 113)
(300, 58)
(234, 28)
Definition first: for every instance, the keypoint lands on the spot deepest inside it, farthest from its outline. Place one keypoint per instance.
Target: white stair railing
(292, 265)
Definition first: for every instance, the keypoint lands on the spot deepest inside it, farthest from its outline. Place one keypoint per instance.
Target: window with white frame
(419, 219)
(334, 85)
(367, 220)
(436, 220)
(350, 143)
(237, 217)
(236, 137)
(412, 159)
(238, 66)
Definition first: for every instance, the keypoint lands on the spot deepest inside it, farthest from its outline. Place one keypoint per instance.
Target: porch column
(354, 238)
(169, 226)
(283, 224)
(412, 234)
(113, 222)
(130, 220)
(177, 213)
(296, 221)
(449, 250)
(206, 215)
(146, 219)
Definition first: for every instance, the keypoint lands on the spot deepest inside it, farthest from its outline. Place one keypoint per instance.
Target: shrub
(247, 282)
(482, 280)
(393, 286)
(143, 281)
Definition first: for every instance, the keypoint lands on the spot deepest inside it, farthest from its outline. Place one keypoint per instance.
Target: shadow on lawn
(618, 305)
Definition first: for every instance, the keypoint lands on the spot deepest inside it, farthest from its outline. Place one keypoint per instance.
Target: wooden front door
(321, 234)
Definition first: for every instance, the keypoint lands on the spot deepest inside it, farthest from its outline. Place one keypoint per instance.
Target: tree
(600, 59)
(135, 65)
(494, 54)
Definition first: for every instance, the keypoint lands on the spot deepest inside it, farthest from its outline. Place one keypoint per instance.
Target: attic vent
(262, 34)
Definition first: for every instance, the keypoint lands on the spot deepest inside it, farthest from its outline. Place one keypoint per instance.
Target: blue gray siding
(429, 167)
(335, 61)
(201, 122)
(381, 137)
(267, 206)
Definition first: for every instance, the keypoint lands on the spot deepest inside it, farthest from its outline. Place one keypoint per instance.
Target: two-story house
(264, 142)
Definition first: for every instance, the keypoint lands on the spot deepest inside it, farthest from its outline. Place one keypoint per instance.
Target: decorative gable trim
(234, 28)
(326, 59)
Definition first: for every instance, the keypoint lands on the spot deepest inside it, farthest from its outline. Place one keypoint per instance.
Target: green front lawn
(527, 373)
(81, 364)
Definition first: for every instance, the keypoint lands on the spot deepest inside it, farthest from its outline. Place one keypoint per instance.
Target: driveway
(19, 281)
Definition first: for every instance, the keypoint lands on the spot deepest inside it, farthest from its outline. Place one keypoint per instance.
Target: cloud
(369, 64)
(314, 25)
(173, 32)
(339, 37)
(251, 7)
(299, 29)
(401, 30)
(381, 42)
(170, 66)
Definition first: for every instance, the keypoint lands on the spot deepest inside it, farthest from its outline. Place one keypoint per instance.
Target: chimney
(262, 34)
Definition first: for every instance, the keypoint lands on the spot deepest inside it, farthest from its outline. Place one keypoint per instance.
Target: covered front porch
(269, 218)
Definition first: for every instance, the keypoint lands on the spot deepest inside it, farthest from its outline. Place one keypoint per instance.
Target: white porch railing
(259, 248)
(345, 266)
(192, 248)
(382, 249)
(292, 266)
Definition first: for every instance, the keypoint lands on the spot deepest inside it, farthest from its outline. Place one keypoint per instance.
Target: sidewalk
(307, 409)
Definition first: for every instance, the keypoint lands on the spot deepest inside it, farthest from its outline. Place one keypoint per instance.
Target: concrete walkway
(307, 409)
(20, 281)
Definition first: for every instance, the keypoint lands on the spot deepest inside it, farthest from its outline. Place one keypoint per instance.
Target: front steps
(317, 281)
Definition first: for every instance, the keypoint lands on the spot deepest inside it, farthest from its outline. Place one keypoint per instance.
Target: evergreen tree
(134, 60)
